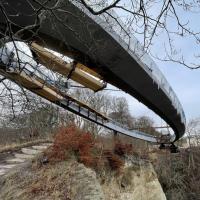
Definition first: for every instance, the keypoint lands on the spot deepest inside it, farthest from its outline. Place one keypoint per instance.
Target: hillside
(70, 180)
(79, 165)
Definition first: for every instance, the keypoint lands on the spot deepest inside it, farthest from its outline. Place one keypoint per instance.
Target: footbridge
(102, 53)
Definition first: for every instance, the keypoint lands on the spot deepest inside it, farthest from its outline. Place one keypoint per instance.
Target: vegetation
(40, 120)
(179, 174)
(71, 142)
(58, 174)
(96, 147)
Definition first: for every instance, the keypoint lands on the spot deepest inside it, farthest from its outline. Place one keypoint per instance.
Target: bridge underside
(92, 42)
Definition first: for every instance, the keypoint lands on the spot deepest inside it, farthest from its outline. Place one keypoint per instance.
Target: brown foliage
(115, 162)
(73, 142)
(123, 149)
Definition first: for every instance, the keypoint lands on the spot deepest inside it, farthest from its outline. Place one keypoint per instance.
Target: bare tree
(193, 132)
(145, 124)
(193, 137)
(153, 20)
(99, 101)
(120, 112)
(147, 20)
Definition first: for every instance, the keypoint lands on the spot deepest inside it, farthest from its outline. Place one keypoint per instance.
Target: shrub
(115, 162)
(73, 142)
(123, 149)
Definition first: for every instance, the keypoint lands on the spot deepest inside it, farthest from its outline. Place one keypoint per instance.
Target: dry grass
(36, 183)
(179, 174)
(64, 180)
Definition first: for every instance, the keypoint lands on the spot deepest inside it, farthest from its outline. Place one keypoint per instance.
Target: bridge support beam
(74, 71)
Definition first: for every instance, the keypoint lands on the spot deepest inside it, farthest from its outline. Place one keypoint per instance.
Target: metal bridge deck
(40, 87)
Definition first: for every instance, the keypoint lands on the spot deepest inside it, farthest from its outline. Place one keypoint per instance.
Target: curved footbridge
(102, 45)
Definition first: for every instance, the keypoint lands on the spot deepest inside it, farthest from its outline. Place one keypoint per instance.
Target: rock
(137, 181)
(15, 160)
(85, 185)
(24, 156)
(7, 166)
(30, 151)
(42, 147)
(73, 180)
(2, 171)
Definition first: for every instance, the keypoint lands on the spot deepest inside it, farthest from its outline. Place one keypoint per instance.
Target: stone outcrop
(73, 181)
(138, 181)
